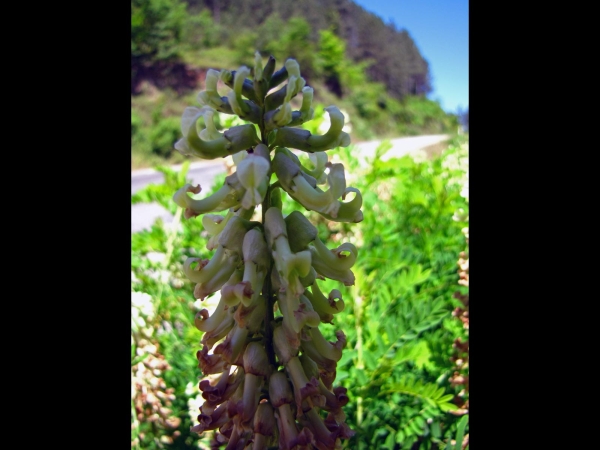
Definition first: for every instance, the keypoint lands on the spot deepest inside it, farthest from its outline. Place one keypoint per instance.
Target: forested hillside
(373, 70)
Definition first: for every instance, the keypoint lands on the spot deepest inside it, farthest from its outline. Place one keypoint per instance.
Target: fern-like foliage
(429, 392)
(399, 323)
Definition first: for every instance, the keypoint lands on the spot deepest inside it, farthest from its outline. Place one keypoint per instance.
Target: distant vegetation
(370, 69)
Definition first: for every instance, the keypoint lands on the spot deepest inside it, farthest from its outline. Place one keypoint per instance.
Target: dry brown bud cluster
(460, 358)
(151, 398)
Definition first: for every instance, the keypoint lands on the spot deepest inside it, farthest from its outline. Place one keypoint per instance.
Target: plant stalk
(267, 287)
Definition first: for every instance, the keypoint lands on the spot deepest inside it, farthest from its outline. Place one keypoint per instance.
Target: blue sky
(440, 29)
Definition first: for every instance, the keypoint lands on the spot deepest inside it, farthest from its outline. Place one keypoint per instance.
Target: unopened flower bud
(248, 320)
(209, 364)
(195, 207)
(326, 366)
(306, 112)
(264, 420)
(310, 367)
(287, 167)
(275, 99)
(256, 361)
(278, 77)
(306, 108)
(202, 271)
(313, 198)
(193, 144)
(305, 140)
(252, 173)
(254, 249)
(279, 390)
(289, 265)
(276, 201)
(309, 279)
(211, 421)
(210, 96)
(319, 161)
(306, 315)
(324, 305)
(281, 344)
(327, 349)
(281, 396)
(269, 68)
(274, 225)
(262, 77)
(304, 389)
(241, 137)
(334, 264)
(232, 236)
(258, 67)
(242, 84)
(305, 440)
(226, 76)
(214, 225)
(322, 434)
(347, 211)
(256, 367)
(245, 109)
(336, 180)
(280, 117)
(334, 136)
(205, 323)
(301, 229)
(342, 257)
(210, 131)
(293, 68)
(263, 151)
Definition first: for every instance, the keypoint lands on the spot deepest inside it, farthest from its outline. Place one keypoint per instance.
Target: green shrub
(201, 31)
(243, 44)
(156, 28)
(399, 324)
(396, 364)
(163, 136)
(140, 142)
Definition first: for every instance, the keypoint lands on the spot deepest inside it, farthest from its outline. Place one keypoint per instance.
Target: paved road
(204, 172)
(200, 172)
(143, 215)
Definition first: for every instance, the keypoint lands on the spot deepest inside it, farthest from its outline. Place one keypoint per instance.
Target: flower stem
(267, 287)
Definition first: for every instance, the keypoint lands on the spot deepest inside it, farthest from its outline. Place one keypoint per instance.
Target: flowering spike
(274, 263)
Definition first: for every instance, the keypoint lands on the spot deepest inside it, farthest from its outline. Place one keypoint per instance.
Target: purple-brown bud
(256, 361)
(281, 343)
(264, 420)
(280, 392)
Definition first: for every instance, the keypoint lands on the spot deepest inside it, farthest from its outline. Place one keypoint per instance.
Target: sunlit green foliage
(402, 302)
(397, 319)
(156, 27)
